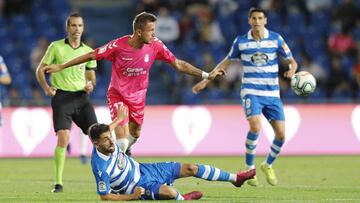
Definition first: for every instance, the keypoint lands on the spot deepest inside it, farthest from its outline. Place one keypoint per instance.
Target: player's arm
(40, 76)
(223, 66)
(90, 77)
(5, 79)
(78, 60)
(120, 197)
(121, 115)
(292, 64)
(185, 67)
(288, 59)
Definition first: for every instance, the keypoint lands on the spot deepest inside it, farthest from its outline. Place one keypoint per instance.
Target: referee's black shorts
(72, 106)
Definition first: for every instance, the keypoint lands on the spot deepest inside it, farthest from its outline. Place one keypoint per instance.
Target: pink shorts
(136, 110)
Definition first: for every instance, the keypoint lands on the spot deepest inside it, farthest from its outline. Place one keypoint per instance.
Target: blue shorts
(154, 175)
(271, 107)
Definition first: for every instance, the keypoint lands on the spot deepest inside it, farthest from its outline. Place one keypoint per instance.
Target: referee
(69, 90)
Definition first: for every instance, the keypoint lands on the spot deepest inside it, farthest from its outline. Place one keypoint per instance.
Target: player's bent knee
(189, 169)
(255, 127)
(135, 130)
(280, 136)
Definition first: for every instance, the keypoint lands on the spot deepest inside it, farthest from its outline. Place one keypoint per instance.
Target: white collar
(266, 34)
(103, 156)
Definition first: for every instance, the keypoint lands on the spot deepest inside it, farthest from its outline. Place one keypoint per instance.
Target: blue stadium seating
(19, 34)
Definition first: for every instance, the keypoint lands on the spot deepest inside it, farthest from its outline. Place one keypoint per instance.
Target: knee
(135, 131)
(190, 169)
(135, 134)
(63, 140)
(255, 127)
(280, 135)
(255, 124)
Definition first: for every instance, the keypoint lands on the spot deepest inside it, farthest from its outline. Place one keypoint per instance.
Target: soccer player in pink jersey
(132, 57)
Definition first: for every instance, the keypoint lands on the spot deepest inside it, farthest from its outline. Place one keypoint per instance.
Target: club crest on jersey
(102, 186)
(259, 59)
(146, 58)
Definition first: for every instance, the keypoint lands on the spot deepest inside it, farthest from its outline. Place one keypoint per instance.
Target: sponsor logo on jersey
(134, 72)
(259, 59)
(146, 58)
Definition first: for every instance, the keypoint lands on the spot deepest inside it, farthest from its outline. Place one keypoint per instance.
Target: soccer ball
(303, 83)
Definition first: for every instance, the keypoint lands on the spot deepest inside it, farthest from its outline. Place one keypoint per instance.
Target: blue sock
(211, 173)
(274, 151)
(251, 142)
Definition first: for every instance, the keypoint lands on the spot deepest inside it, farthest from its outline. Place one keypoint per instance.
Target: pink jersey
(130, 67)
(130, 72)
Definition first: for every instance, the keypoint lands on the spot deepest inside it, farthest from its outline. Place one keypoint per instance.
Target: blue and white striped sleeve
(234, 53)
(283, 50)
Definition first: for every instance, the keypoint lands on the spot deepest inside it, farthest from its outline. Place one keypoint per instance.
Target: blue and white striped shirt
(118, 172)
(260, 62)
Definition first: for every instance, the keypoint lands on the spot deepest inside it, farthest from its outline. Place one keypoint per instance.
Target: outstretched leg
(211, 173)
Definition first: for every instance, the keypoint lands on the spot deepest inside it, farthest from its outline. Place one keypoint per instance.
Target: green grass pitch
(301, 179)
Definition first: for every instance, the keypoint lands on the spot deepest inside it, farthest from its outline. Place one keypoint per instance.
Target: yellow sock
(59, 157)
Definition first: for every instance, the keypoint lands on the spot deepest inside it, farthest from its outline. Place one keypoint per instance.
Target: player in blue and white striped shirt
(119, 177)
(259, 52)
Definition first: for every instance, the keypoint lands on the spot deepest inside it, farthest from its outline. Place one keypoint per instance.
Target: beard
(107, 150)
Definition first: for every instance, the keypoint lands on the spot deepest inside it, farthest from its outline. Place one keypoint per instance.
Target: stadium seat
(321, 21)
(187, 97)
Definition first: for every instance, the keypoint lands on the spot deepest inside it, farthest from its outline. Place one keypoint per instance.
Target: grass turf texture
(301, 179)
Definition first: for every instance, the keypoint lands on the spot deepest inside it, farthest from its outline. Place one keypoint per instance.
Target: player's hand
(138, 192)
(53, 68)
(216, 72)
(200, 86)
(122, 112)
(50, 91)
(89, 87)
(289, 73)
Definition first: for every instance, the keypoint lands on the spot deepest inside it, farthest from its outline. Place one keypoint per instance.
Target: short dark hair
(97, 129)
(256, 9)
(141, 19)
(73, 15)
